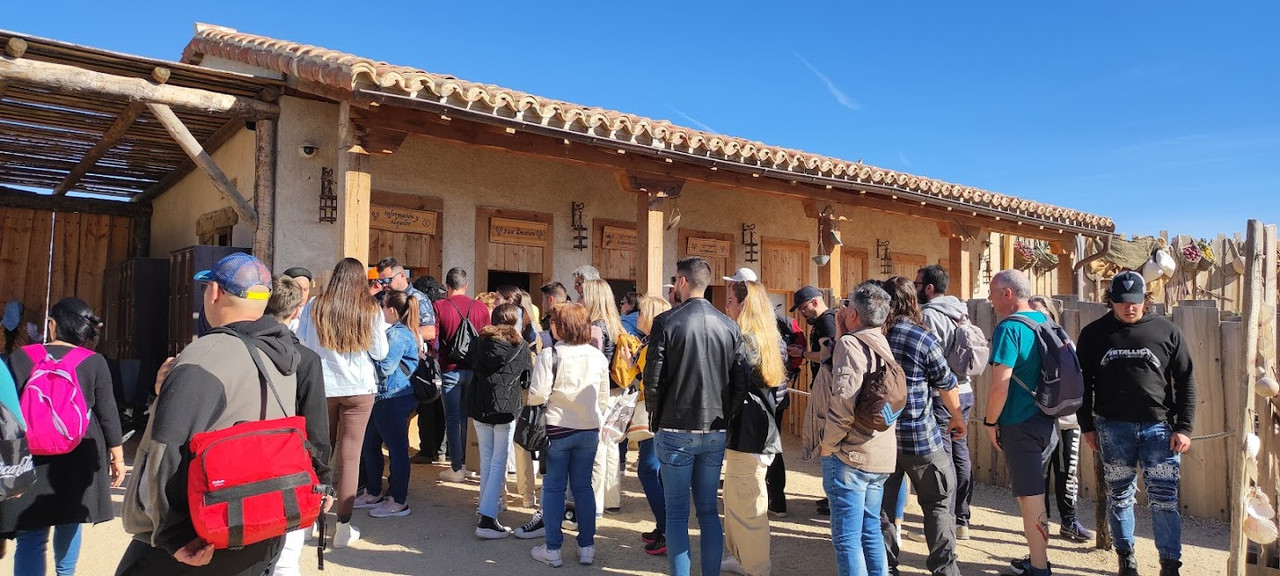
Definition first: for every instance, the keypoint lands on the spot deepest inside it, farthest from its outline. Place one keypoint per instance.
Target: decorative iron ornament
(750, 242)
(882, 252)
(328, 198)
(579, 230)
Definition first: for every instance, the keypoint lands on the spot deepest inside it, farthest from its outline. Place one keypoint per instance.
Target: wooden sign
(523, 232)
(619, 238)
(394, 219)
(708, 248)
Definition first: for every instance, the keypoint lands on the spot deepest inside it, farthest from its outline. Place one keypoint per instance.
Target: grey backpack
(969, 351)
(1061, 387)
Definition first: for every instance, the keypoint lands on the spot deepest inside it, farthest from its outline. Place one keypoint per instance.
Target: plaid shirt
(920, 355)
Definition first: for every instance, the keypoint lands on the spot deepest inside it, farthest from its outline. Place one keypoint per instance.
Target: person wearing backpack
(459, 320)
(1139, 406)
(606, 330)
(214, 384)
(856, 461)
(962, 342)
(921, 456)
(72, 486)
(1015, 425)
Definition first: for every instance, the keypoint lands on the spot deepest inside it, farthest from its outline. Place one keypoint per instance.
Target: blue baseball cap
(241, 275)
(12, 315)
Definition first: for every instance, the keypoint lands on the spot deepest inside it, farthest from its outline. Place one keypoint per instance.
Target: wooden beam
(15, 47)
(80, 81)
(108, 141)
(13, 198)
(197, 154)
(215, 141)
(354, 200)
(649, 238)
(961, 272)
(831, 276)
(264, 190)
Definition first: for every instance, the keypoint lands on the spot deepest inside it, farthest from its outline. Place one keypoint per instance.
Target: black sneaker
(570, 521)
(657, 547)
(1075, 532)
(649, 537)
(533, 528)
(1022, 566)
(490, 529)
(824, 507)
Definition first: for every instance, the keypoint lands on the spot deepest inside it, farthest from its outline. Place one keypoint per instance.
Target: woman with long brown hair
(346, 328)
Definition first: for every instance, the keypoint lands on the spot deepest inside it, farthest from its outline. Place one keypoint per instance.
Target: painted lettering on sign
(507, 231)
(707, 248)
(395, 219)
(619, 238)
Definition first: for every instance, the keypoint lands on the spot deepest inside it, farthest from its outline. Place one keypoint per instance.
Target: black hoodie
(502, 363)
(1138, 372)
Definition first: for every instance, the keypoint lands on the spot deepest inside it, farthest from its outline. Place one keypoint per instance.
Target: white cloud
(835, 91)
(690, 119)
(903, 158)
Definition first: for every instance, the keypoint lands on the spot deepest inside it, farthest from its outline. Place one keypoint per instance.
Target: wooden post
(961, 272)
(649, 237)
(1091, 467)
(264, 190)
(1253, 304)
(353, 173)
(109, 139)
(197, 154)
(830, 276)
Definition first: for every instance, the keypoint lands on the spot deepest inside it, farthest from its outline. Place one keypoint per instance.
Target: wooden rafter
(197, 154)
(210, 145)
(109, 140)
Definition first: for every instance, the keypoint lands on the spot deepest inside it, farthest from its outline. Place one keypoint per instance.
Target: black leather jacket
(695, 368)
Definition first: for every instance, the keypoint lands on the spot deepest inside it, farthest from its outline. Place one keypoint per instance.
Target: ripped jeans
(1125, 446)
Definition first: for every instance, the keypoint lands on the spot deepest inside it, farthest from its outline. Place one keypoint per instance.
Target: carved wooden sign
(619, 238)
(397, 219)
(708, 248)
(523, 232)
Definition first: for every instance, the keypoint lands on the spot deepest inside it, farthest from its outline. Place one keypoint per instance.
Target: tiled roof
(348, 72)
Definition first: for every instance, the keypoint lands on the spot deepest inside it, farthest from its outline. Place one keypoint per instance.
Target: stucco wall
(173, 220)
(300, 238)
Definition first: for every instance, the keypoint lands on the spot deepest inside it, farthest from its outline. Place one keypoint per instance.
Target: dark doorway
(520, 280)
(620, 288)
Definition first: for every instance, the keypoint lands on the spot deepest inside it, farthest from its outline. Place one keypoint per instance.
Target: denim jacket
(401, 360)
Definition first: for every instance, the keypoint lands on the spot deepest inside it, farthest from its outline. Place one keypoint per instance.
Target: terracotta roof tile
(348, 72)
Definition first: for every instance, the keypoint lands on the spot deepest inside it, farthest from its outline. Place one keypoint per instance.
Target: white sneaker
(587, 555)
(569, 525)
(390, 509)
(365, 501)
(731, 564)
(473, 477)
(453, 475)
(549, 557)
(345, 535)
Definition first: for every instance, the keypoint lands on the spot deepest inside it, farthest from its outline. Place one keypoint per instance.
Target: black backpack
(1060, 391)
(460, 341)
(425, 379)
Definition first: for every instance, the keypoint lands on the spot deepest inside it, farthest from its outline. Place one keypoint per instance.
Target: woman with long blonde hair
(606, 326)
(346, 328)
(753, 434)
(602, 309)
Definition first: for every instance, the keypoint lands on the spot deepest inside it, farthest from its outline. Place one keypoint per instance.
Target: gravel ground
(437, 538)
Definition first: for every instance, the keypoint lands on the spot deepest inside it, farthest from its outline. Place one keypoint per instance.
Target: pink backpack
(52, 403)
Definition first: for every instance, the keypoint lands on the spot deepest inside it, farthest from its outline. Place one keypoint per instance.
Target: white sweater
(346, 374)
(579, 396)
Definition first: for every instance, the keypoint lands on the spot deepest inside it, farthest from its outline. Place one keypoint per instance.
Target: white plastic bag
(618, 419)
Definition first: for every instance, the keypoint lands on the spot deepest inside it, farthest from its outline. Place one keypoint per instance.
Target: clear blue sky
(1161, 115)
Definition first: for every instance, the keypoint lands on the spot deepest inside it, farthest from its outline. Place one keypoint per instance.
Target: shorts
(1028, 447)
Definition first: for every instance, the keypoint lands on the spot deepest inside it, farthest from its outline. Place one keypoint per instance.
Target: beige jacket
(579, 395)
(829, 420)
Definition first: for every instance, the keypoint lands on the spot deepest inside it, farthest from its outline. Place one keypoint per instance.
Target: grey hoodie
(940, 316)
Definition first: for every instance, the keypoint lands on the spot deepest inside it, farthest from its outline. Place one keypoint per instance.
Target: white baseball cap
(743, 275)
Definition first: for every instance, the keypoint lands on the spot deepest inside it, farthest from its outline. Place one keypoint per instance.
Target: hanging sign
(523, 232)
(619, 238)
(707, 248)
(394, 219)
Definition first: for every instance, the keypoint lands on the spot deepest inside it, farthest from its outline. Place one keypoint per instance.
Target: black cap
(1128, 287)
(804, 295)
(298, 272)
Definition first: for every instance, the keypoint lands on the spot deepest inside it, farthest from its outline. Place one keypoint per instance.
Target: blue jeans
(855, 498)
(388, 424)
(494, 439)
(647, 468)
(692, 461)
(1125, 446)
(29, 560)
(454, 382)
(569, 460)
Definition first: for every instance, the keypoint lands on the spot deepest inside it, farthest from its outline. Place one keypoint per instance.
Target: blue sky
(1163, 116)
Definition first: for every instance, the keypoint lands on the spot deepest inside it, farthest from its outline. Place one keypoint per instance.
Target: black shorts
(1028, 447)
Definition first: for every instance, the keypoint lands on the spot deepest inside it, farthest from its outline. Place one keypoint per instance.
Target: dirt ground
(437, 538)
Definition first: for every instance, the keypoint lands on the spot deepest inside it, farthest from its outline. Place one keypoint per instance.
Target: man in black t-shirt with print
(808, 300)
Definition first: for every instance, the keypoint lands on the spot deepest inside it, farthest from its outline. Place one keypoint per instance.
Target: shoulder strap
(36, 352)
(1019, 318)
(75, 356)
(264, 380)
(555, 364)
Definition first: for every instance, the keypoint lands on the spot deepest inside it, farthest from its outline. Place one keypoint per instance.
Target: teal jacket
(9, 393)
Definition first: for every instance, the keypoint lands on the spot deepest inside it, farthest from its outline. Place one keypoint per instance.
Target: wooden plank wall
(83, 246)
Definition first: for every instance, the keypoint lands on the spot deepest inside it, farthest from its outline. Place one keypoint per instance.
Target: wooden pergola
(95, 126)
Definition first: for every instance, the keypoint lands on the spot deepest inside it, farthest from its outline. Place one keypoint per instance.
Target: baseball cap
(12, 315)
(804, 295)
(743, 275)
(240, 274)
(299, 272)
(1128, 287)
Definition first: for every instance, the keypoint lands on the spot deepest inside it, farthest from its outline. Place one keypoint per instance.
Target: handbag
(425, 379)
(531, 424)
(618, 419)
(639, 429)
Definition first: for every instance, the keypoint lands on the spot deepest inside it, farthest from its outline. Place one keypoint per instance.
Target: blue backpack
(1060, 391)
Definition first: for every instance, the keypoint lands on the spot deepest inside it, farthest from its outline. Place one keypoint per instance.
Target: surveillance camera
(308, 150)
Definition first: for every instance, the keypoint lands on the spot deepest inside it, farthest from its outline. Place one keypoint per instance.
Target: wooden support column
(353, 174)
(109, 139)
(830, 276)
(961, 272)
(649, 237)
(197, 154)
(264, 190)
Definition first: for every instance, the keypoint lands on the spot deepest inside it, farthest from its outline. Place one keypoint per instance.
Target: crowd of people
(891, 404)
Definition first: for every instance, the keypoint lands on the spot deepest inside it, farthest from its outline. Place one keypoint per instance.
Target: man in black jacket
(1139, 403)
(694, 369)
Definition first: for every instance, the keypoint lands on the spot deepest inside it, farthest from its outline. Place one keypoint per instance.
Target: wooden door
(614, 248)
(853, 268)
(906, 264)
(784, 269)
(717, 249)
(407, 228)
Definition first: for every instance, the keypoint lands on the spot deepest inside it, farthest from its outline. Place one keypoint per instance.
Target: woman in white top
(345, 327)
